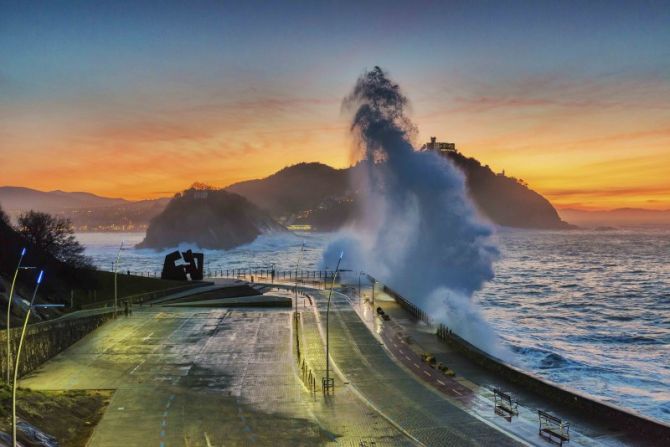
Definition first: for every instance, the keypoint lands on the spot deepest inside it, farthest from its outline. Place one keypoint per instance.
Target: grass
(69, 416)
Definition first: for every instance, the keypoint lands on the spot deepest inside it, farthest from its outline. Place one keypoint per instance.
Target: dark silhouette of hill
(208, 218)
(295, 188)
(316, 194)
(505, 200)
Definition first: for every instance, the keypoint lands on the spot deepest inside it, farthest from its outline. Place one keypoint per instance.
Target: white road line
(440, 382)
(456, 391)
(147, 337)
(138, 365)
(416, 365)
(427, 373)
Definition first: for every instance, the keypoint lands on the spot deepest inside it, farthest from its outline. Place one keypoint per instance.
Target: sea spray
(418, 230)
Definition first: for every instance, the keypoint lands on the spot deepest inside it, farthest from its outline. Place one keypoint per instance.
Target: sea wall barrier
(44, 340)
(617, 417)
(145, 297)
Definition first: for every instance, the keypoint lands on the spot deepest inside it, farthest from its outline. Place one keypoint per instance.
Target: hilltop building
(438, 146)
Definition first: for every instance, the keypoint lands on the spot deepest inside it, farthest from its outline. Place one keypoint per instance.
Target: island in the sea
(209, 218)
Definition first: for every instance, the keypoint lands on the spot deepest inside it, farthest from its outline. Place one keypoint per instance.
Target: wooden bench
(553, 428)
(503, 401)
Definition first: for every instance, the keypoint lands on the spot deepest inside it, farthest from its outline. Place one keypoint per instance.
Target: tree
(4, 218)
(54, 235)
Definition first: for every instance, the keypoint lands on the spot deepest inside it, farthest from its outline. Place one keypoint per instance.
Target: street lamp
(116, 274)
(9, 308)
(297, 267)
(18, 355)
(328, 382)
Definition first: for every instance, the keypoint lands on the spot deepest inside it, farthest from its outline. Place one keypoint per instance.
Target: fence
(247, 272)
(44, 340)
(306, 374)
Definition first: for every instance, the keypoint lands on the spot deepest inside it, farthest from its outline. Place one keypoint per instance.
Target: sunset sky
(141, 99)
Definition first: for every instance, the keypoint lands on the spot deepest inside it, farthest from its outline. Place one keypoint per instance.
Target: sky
(141, 99)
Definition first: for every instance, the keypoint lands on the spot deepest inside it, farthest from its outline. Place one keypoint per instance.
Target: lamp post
(9, 307)
(302, 248)
(327, 381)
(116, 274)
(18, 355)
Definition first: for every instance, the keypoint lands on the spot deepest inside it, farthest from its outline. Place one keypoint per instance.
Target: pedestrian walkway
(421, 412)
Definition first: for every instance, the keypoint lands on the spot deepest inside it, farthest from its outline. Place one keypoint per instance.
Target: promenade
(214, 376)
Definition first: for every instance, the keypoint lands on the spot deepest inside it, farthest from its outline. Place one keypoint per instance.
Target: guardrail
(306, 374)
(44, 340)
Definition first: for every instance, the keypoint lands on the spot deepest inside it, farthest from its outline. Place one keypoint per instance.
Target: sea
(587, 309)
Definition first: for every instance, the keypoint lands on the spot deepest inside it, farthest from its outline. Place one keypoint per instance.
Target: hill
(506, 201)
(208, 218)
(295, 188)
(324, 197)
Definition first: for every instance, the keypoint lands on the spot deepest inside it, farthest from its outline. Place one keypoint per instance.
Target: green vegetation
(69, 416)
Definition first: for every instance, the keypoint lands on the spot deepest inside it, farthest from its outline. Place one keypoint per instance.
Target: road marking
(147, 337)
(440, 382)
(426, 373)
(407, 357)
(401, 351)
(456, 391)
(138, 365)
(416, 365)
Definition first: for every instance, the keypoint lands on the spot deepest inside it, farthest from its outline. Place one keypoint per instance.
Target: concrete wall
(587, 406)
(44, 340)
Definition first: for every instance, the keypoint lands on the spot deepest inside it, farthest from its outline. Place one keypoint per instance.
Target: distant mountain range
(15, 198)
(88, 212)
(325, 198)
(621, 217)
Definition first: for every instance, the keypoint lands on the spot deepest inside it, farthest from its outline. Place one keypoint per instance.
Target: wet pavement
(208, 377)
(212, 377)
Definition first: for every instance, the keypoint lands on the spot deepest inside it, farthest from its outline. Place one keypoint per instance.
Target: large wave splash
(418, 230)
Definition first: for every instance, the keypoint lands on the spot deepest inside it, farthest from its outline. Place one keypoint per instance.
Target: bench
(503, 401)
(553, 428)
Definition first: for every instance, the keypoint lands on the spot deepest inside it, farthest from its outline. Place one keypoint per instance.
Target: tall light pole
(330, 294)
(116, 274)
(9, 308)
(302, 248)
(18, 355)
